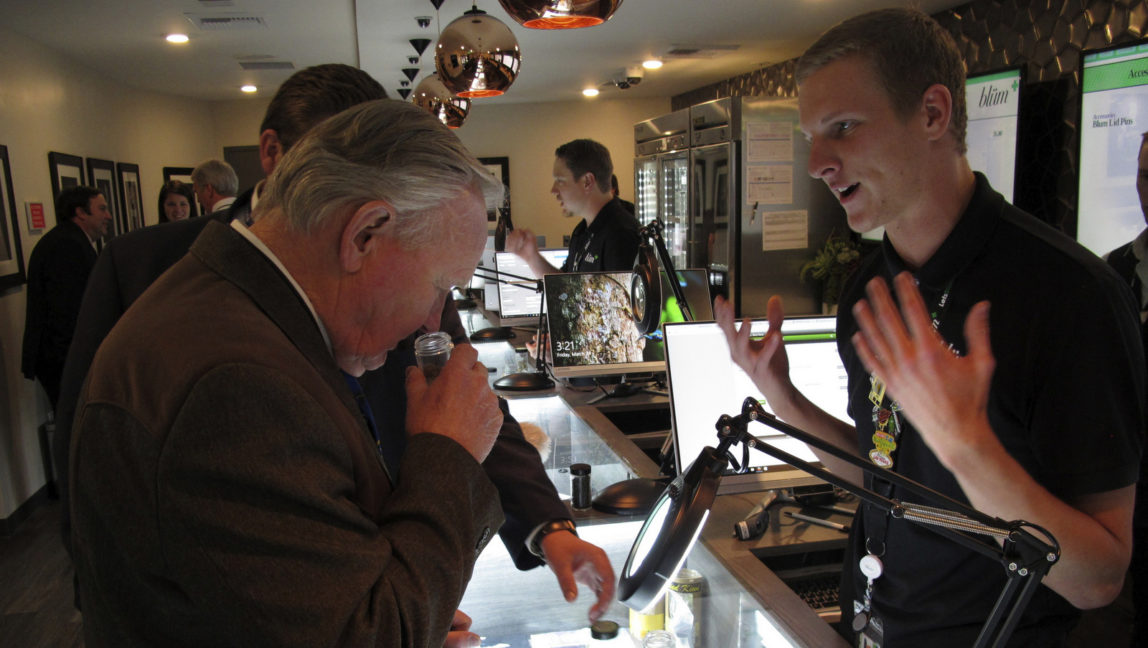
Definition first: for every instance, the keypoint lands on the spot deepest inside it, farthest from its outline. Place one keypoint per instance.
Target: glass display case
(743, 604)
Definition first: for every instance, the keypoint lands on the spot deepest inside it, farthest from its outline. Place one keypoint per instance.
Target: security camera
(631, 77)
(424, 21)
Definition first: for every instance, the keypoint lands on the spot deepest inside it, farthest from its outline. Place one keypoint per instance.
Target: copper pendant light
(560, 14)
(434, 97)
(477, 56)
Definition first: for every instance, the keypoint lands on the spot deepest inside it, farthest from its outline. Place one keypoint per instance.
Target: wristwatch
(535, 545)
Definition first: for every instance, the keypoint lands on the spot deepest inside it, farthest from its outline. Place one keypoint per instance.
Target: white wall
(236, 123)
(528, 135)
(49, 103)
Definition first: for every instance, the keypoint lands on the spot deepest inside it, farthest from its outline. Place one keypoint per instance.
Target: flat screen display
(1113, 114)
(705, 384)
(993, 102)
(517, 298)
(592, 327)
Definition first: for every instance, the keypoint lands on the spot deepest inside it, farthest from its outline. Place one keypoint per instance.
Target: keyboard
(820, 591)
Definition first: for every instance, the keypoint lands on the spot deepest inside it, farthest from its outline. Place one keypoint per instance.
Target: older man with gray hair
(210, 515)
(215, 185)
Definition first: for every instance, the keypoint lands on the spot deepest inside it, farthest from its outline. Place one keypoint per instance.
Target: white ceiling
(123, 39)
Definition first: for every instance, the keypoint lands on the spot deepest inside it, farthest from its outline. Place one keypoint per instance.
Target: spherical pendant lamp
(560, 14)
(432, 96)
(477, 56)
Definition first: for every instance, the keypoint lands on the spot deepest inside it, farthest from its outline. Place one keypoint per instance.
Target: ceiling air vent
(699, 51)
(217, 22)
(267, 65)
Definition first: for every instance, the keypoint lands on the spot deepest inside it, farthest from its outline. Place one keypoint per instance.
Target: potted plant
(831, 266)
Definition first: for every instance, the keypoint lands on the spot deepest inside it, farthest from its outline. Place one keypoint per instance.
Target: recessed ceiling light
(652, 64)
(248, 88)
(178, 39)
(590, 92)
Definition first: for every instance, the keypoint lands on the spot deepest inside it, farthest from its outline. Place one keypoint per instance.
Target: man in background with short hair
(606, 237)
(57, 273)
(215, 185)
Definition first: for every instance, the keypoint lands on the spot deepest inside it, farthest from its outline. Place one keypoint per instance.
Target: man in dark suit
(538, 529)
(57, 274)
(210, 514)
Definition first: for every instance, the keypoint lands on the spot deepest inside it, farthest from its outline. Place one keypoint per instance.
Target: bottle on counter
(685, 599)
(580, 486)
(642, 623)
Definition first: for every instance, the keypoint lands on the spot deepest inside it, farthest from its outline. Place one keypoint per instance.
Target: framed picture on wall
(102, 176)
(67, 171)
(183, 174)
(11, 255)
(128, 177)
(499, 167)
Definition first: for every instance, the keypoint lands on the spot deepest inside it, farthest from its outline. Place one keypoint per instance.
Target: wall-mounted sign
(35, 212)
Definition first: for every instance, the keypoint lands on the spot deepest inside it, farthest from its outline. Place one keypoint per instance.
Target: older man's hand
(459, 404)
(574, 561)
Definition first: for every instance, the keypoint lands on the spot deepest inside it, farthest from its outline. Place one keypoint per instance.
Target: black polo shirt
(610, 243)
(1066, 400)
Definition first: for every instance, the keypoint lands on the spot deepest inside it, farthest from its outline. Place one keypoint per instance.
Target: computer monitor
(705, 383)
(592, 327)
(1113, 112)
(519, 304)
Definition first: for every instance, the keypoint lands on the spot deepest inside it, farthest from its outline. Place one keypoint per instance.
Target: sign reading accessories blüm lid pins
(1113, 115)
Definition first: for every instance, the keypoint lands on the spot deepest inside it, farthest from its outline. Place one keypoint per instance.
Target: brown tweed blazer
(227, 492)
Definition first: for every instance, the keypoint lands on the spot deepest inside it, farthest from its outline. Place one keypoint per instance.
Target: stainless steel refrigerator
(755, 214)
(661, 178)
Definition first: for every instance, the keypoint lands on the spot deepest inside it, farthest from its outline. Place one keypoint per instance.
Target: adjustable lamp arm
(1025, 557)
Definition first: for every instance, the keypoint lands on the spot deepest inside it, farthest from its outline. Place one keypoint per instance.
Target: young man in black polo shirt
(607, 236)
(1034, 411)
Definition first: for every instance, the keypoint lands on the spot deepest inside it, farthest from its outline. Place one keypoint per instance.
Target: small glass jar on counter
(659, 639)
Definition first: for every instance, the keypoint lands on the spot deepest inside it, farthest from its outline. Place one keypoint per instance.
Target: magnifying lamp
(670, 531)
(675, 523)
(646, 287)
